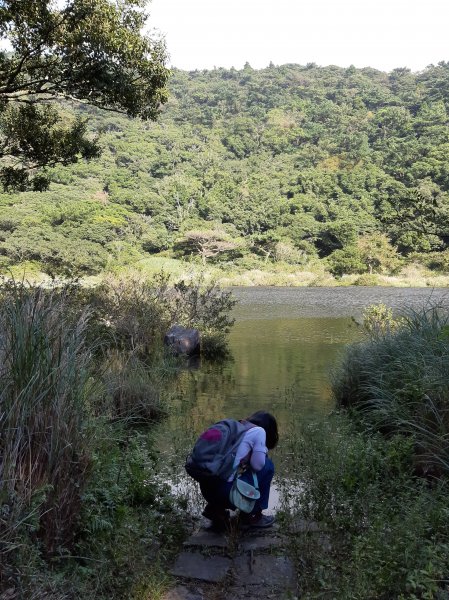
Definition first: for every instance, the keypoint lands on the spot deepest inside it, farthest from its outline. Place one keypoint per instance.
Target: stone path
(237, 565)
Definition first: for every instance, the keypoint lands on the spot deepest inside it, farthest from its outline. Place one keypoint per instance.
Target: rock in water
(182, 340)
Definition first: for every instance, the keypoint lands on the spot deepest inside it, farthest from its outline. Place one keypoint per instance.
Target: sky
(383, 34)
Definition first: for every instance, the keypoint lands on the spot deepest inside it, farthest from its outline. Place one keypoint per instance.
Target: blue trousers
(216, 491)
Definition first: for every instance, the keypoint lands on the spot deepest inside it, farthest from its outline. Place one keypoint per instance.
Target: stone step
(181, 592)
(193, 565)
(257, 539)
(207, 539)
(262, 531)
(266, 570)
(248, 570)
(261, 543)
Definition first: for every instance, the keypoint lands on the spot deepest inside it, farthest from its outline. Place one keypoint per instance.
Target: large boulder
(182, 340)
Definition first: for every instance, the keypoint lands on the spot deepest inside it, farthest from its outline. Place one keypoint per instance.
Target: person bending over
(252, 454)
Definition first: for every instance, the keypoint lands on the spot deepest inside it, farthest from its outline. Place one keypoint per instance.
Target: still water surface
(284, 345)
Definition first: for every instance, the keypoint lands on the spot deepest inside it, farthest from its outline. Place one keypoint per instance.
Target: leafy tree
(419, 219)
(59, 254)
(347, 260)
(207, 244)
(155, 239)
(242, 136)
(265, 244)
(86, 51)
(377, 253)
(286, 252)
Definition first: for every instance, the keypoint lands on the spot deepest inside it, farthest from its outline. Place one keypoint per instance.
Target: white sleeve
(259, 450)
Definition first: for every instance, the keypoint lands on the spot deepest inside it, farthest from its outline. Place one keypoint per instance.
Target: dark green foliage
(385, 532)
(371, 253)
(86, 52)
(131, 524)
(32, 133)
(347, 260)
(320, 159)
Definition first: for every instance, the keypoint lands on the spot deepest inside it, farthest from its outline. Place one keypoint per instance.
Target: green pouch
(243, 495)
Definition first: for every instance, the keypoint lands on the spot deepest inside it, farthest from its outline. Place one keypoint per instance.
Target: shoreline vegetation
(375, 473)
(413, 275)
(84, 378)
(83, 509)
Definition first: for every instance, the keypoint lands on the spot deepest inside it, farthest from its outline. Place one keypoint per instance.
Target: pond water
(284, 345)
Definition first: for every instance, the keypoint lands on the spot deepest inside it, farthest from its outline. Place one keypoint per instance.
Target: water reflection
(284, 344)
(280, 365)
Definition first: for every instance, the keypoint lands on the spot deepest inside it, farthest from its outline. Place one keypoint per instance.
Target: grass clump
(133, 389)
(397, 380)
(367, 279)
(44, 380)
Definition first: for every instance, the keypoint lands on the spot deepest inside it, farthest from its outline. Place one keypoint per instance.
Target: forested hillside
(294, 165)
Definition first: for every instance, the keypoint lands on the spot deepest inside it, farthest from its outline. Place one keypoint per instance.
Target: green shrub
(367, 279)
(131, 307)
(436, 261)
(133, 390)
(346, 261)
(285, 251)
(131, 524)
(139, 311)
(202, 305)
(385, 533)
(379, 319)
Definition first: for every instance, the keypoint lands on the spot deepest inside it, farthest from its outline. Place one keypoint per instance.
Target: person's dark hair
(268, 422)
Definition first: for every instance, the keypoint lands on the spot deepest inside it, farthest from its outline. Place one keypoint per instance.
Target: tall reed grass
(133, 389)
(398, 382)
(44, 376)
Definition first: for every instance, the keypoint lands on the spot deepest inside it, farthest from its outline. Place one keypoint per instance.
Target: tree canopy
(290, 165)
(79, 51)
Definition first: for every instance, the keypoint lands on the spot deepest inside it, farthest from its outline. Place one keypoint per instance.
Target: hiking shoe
(259, 521)
(219, 518)
(215, 513)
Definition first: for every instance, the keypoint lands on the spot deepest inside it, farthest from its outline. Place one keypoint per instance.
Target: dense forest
(296, 165)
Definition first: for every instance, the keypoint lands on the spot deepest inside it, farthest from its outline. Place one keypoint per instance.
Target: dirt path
(236, 565)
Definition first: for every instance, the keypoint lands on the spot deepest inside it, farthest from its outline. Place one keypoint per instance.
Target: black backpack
(214, 452)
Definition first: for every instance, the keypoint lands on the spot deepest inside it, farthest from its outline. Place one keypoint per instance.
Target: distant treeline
(290, 164)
